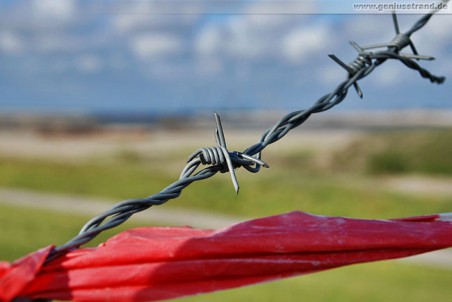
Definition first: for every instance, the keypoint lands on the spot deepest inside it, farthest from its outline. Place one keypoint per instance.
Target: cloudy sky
(174, 55)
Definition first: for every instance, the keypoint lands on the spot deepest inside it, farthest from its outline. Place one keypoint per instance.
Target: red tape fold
(156, 263)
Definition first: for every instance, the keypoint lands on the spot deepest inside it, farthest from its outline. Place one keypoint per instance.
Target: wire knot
(220, 158)
(215, 156)
(362, 61)
(400, 41)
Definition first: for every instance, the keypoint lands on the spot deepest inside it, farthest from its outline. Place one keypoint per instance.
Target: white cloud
(88, 63)
(54, 9)
(369, 29)
(390, 74)
(136, 16)
(209, 66)
(255, 33)
(57, 43)
(125, 23)
(133, 16)
(267, 22)
(331, 74)
(10, 43)
(151, 46)
(281, 8)
(442, 67)
(59, 66)
(243, 40)
(116, 61)
(435, 36)
(252, 37)
(208, 42)
(300, 43)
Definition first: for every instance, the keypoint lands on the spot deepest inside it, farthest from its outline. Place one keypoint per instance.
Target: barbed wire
(220, 159)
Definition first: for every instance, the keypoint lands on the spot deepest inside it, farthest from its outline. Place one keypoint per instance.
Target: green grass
(117, 180)
(279, 192)
(400, 152)
(272, 191)
(24, 230)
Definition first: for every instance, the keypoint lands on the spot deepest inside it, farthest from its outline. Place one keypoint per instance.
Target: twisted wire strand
(216, 157)
(359, 63)
(410, 63)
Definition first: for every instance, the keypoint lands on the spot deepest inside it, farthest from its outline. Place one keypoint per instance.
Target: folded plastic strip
(15, 277)
(153, 263)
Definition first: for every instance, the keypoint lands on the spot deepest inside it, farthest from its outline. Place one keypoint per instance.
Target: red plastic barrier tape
(155, 263)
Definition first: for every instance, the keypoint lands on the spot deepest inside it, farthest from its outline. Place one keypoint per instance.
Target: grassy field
(345, 183)
(276, 190)
(400, 152)
(24, 230)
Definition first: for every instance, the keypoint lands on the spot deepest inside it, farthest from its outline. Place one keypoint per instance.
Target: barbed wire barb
(400, 41)
(221, 141)
(356, 65)
(221, 157)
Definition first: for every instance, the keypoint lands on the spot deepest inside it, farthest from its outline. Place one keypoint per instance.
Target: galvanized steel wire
(220, 159)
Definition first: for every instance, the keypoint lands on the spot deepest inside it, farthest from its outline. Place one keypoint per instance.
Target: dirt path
(93, 206)
(30, 145)
(160, 215)
(419, 185)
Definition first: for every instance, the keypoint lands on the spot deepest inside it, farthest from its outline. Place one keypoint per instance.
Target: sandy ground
(28, 144)
(158, 215)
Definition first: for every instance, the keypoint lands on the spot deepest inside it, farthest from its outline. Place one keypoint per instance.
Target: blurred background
(104, 100)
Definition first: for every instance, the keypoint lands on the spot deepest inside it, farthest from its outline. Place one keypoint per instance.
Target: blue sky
(151, 56)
